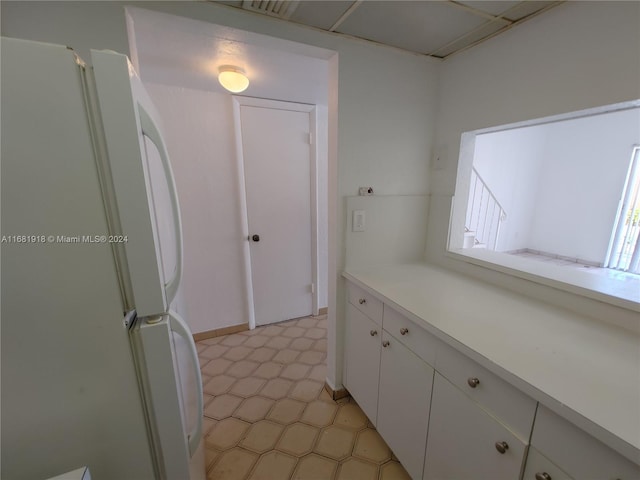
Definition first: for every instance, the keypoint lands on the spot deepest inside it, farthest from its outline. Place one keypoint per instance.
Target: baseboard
(218, 332)
(323, 311)
(336, 394)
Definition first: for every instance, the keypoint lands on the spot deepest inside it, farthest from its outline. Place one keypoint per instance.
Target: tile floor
(268, 417)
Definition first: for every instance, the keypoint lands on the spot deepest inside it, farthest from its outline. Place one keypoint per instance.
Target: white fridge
(98, 367)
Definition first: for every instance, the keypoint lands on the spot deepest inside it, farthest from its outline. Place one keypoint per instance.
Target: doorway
(624, 247)
(278, 190)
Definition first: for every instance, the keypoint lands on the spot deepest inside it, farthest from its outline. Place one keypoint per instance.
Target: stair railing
(484, 213)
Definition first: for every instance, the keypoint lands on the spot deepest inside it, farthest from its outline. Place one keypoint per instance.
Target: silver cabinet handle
(502, 447)
(473, 382)
(373, 333)
(362, 301)
(404, 331)
(385, 344)
(543, 476)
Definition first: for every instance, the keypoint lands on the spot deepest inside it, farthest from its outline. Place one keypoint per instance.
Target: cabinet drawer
(576, 452)
(418, 340)
(504, 401)
(540, 467)
(463, 440)
(366, 303)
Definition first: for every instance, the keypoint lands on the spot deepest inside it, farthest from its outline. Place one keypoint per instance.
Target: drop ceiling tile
(478, 34)
(524, 9)
(415, 26)
(321, 14)
(494, 8)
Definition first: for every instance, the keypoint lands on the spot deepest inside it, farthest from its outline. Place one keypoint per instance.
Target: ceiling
(187, 53)
(433, 28)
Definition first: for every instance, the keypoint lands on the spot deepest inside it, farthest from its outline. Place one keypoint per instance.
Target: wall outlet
(362, 191)
(439, 159)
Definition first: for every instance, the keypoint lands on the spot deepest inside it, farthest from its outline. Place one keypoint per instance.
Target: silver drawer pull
(404, 331)
(373, 333)
(385, 344)
(543, 476)
(473, 382)
(362, 301)
(502, 447)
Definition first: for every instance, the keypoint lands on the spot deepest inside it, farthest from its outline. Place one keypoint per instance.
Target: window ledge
(617, 288)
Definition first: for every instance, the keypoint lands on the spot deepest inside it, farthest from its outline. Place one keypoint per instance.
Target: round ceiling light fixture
(233, 78)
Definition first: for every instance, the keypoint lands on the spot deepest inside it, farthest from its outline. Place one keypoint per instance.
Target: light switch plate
(358, 224)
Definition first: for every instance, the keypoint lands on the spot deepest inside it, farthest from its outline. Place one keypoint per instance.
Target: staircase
(484, 215)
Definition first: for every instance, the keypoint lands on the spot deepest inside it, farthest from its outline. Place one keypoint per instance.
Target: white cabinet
(366, 303)
(465, 442)
(415, 384)
(403, 403)
(362, 360)
(577, 453)
(391, 383)
(501, 399)
(541, 468)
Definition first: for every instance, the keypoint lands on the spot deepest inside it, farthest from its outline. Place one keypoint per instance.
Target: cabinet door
(579, 454)
(463, 437)
(541, 468)
(403, 403)
(362, 351)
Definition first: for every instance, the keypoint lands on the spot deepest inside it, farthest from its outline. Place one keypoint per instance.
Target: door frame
(239, 101)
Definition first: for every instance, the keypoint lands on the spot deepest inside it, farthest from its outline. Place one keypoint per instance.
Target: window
(624, 248)
(549, 189)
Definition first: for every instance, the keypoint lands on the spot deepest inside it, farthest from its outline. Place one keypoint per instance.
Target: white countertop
(587, 371)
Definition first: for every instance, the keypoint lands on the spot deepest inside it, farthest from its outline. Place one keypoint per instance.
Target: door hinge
(313, 288)
(310, 138)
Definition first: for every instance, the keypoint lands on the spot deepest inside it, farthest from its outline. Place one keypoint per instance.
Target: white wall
(509, 163)
(584, 167)
(380, 132)
(394, 230)
(201, 140)
(199, 133)
(581, 55)
(169, 51)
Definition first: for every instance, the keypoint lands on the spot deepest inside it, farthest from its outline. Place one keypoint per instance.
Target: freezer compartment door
(171, 384)
(146, 209)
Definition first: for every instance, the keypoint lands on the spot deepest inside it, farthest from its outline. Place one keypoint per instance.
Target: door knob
(255, 238)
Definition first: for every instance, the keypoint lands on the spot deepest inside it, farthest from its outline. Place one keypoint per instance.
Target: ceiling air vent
(275, 8)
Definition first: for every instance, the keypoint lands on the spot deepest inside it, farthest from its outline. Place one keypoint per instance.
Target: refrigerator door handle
(179, 326)
(151, 131)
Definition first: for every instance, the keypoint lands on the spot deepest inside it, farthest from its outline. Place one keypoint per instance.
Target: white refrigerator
(98, 367)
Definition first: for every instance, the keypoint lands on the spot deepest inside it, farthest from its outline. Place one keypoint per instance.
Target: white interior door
(277, 162)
